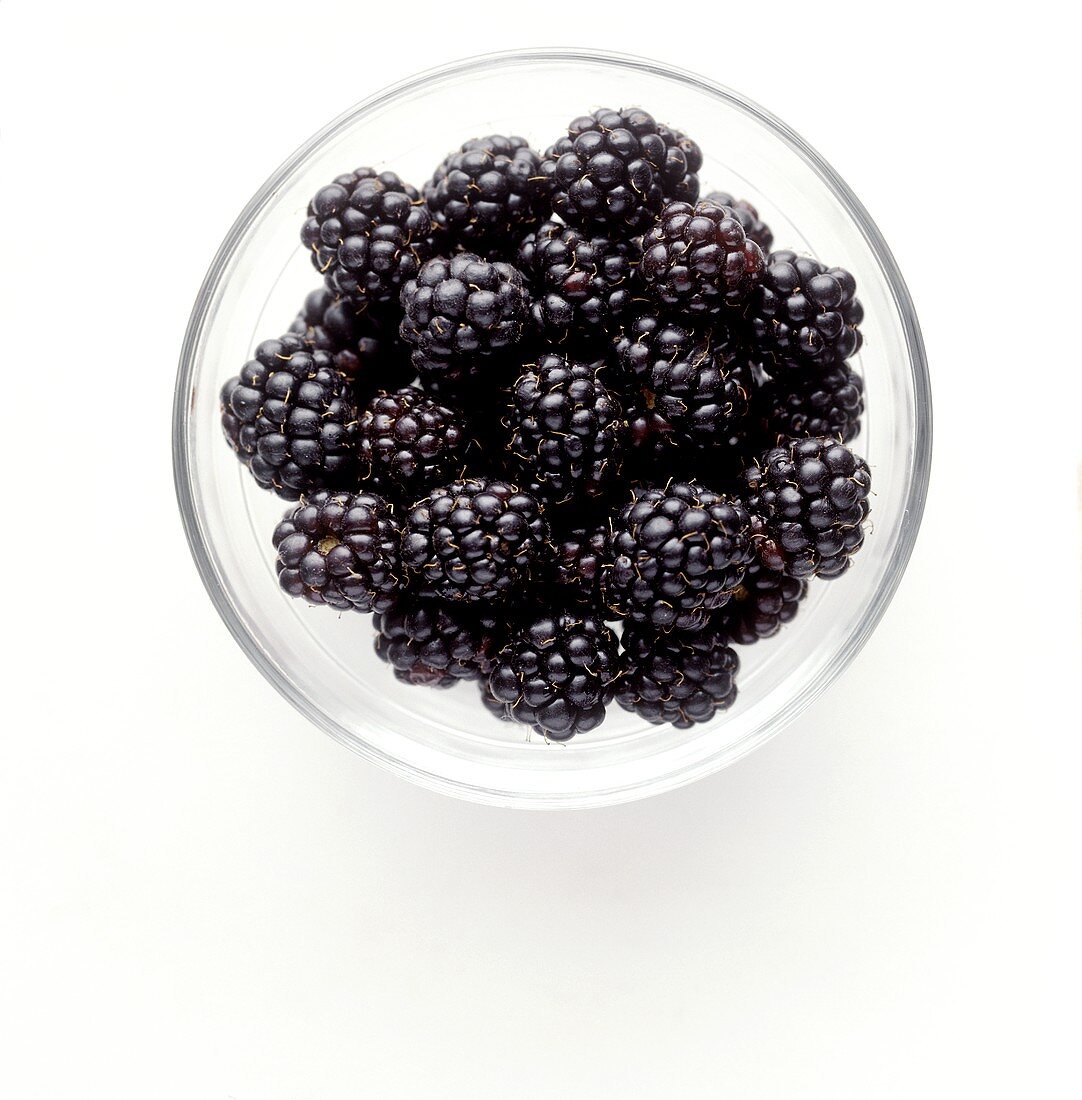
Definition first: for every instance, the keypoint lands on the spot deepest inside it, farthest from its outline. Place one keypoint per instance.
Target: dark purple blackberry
(582, 284)
(487, 193)
(369, 233)
(568, 431)
(755, 229)
(291, 418)
(433, 643)
(462, 312)
(677, 678)
(697, 259)
(616, 169)
(676, 554)
(477, 539)
(556, 673)
(578, 559)
(763, 603)
(408, 443)
(652, 441)
(364, 343)
(809, 500)
(820, 403)
(698, 380)
(804, 314)
(340, 549)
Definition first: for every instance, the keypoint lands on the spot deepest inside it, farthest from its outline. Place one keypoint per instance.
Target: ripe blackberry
(804, 314)
(616, 169)
(461, 312)
(677, 678)
(698, 259)
(578, 559)
(822, 403)
(369, 232)
(556, 673)
(676, 554)
(340, 549)
(698, 380)
(582, 284)
(487, 193)
(408, 443)
(763, 603)
(755, 229)
(291, 418)
(567, 429)
(364, 343)
(435, 644)
(477, 539)
(809, 500)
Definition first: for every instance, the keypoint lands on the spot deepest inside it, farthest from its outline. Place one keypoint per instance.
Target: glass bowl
(323, 662)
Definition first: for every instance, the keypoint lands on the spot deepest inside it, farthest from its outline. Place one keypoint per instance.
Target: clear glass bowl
(323, 663)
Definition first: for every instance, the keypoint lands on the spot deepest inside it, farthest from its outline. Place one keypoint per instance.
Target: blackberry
(616, 169)
(676, 554)
(755, 229)
(761, 606)
(652, 440)
(567, 429)
(461, 312)
(476, 539)
(291, 418)
(680, 679)
(698, 259)
(556, 673)
(340, 549)
(805, 314)
(364, 343)
(408, 443)
(578, 559)
(582, 284)
(369, 232)
(809, 500)
(487, 193)
(697, 380)
(435, 644)
(822, 403)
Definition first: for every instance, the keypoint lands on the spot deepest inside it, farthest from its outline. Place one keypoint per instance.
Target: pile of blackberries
(564, 429)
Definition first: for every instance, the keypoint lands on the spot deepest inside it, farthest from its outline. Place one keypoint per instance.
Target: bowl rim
(912, 513)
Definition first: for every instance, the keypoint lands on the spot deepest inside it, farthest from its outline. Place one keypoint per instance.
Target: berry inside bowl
(323, 661)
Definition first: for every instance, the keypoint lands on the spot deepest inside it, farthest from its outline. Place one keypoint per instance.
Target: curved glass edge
(915, 499)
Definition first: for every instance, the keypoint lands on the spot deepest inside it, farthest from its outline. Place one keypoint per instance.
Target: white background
(202, 896)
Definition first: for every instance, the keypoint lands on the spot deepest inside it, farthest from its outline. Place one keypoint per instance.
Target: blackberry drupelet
(556, 673)
(487, 193)
(462, 312)
(755, 229)
(698, 380)
(582, 284)
(820, 403)
(364, 343)
(676, 554)
(615, 170)
(369, 233)
(578, 559)
(476, 539)
(408, 443)
(433, 643)
(761, 606)
(340, 549)
(809, 500)
(291, 418)
(568, 431)
(804, 314)
(677, 678)
(698, 259)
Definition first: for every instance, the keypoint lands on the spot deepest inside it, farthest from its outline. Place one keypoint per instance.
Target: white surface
(203, 897)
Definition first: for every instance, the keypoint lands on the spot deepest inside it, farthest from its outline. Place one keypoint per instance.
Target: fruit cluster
(566, 429)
